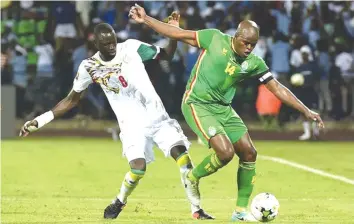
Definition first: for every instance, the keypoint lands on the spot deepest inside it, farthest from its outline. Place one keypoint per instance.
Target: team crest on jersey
(212, 131)
(244, 65)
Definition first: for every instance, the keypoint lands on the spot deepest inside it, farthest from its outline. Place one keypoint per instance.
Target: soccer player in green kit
(223, 62)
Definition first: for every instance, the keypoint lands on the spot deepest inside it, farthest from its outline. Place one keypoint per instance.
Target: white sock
(306, 126)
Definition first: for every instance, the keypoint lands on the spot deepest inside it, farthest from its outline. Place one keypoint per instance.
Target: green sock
(245, 180)
(208, 166)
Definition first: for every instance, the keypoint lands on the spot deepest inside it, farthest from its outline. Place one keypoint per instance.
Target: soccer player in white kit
(143, 120)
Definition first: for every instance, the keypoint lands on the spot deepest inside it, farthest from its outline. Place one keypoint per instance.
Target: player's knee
(138, 164)
(223, 148)
(178, 150)
(226, 154)
(250, 154)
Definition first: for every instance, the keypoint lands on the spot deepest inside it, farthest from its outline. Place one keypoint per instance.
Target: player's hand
(313, 116)
(173, 19)
(137, 13)
(28, 127)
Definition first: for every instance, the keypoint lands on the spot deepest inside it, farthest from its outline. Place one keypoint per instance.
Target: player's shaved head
(105, 40)
(247, 29)
(246, 38)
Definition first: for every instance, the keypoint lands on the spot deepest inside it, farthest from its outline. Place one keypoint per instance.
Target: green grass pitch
(71, 180)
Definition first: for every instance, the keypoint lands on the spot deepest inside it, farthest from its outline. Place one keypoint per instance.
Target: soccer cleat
(112, 211)
(305, 137)
(192, 190)
(242, 217)
(200, 214)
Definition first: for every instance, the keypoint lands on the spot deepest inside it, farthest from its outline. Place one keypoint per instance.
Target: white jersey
(126, 84)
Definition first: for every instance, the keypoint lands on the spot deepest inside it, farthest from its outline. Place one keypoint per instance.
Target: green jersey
(218, 69)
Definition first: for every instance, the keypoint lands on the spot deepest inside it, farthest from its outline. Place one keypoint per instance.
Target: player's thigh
(234, 126)
(136, 146)
(203, 121)
(245, 149)
(169, 134)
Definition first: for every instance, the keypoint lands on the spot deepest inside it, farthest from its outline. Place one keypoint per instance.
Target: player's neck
(238, 57)
(106, 58)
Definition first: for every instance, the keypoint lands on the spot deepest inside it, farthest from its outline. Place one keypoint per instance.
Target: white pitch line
(307, 168)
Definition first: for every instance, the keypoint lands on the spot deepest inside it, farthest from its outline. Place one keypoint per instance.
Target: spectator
(296, 57)
(20, 77)
(280, 52)
(283, 20)
(324, 62)
(42, 92)
(67, 23)
(344, 61)
(307, 93)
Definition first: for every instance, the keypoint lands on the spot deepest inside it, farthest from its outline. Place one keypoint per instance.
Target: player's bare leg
(180, 155)
(131, 180)
(246, 173)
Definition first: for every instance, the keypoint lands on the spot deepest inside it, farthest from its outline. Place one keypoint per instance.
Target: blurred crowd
(43, 43)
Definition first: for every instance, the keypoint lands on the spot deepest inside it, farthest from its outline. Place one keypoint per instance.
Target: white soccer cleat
(242, 217)
(192, 191)
(305, 136)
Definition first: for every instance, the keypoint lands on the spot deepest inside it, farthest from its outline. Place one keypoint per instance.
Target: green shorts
(208, 120)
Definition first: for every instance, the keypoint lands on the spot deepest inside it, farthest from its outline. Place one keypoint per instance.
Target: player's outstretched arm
(286, 96)
(70, 101)
(139, 15)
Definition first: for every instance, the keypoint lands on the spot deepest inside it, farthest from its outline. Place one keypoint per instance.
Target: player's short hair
(103, 28)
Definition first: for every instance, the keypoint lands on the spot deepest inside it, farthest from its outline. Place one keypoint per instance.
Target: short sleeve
(261, 70)
(260, 67)
(82, 79)
(144, 50)
(205, 36)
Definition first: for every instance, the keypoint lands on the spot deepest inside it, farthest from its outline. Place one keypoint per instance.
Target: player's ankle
(240, 209)
(191, 177)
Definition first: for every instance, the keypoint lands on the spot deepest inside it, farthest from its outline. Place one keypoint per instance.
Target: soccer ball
(297, 79)
(264, 207)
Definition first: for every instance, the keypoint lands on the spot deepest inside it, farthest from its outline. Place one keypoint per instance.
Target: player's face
(244, 45)
(106, 44)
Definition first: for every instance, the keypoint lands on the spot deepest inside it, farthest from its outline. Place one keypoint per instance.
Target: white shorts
(139, 143)
(66, 30)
